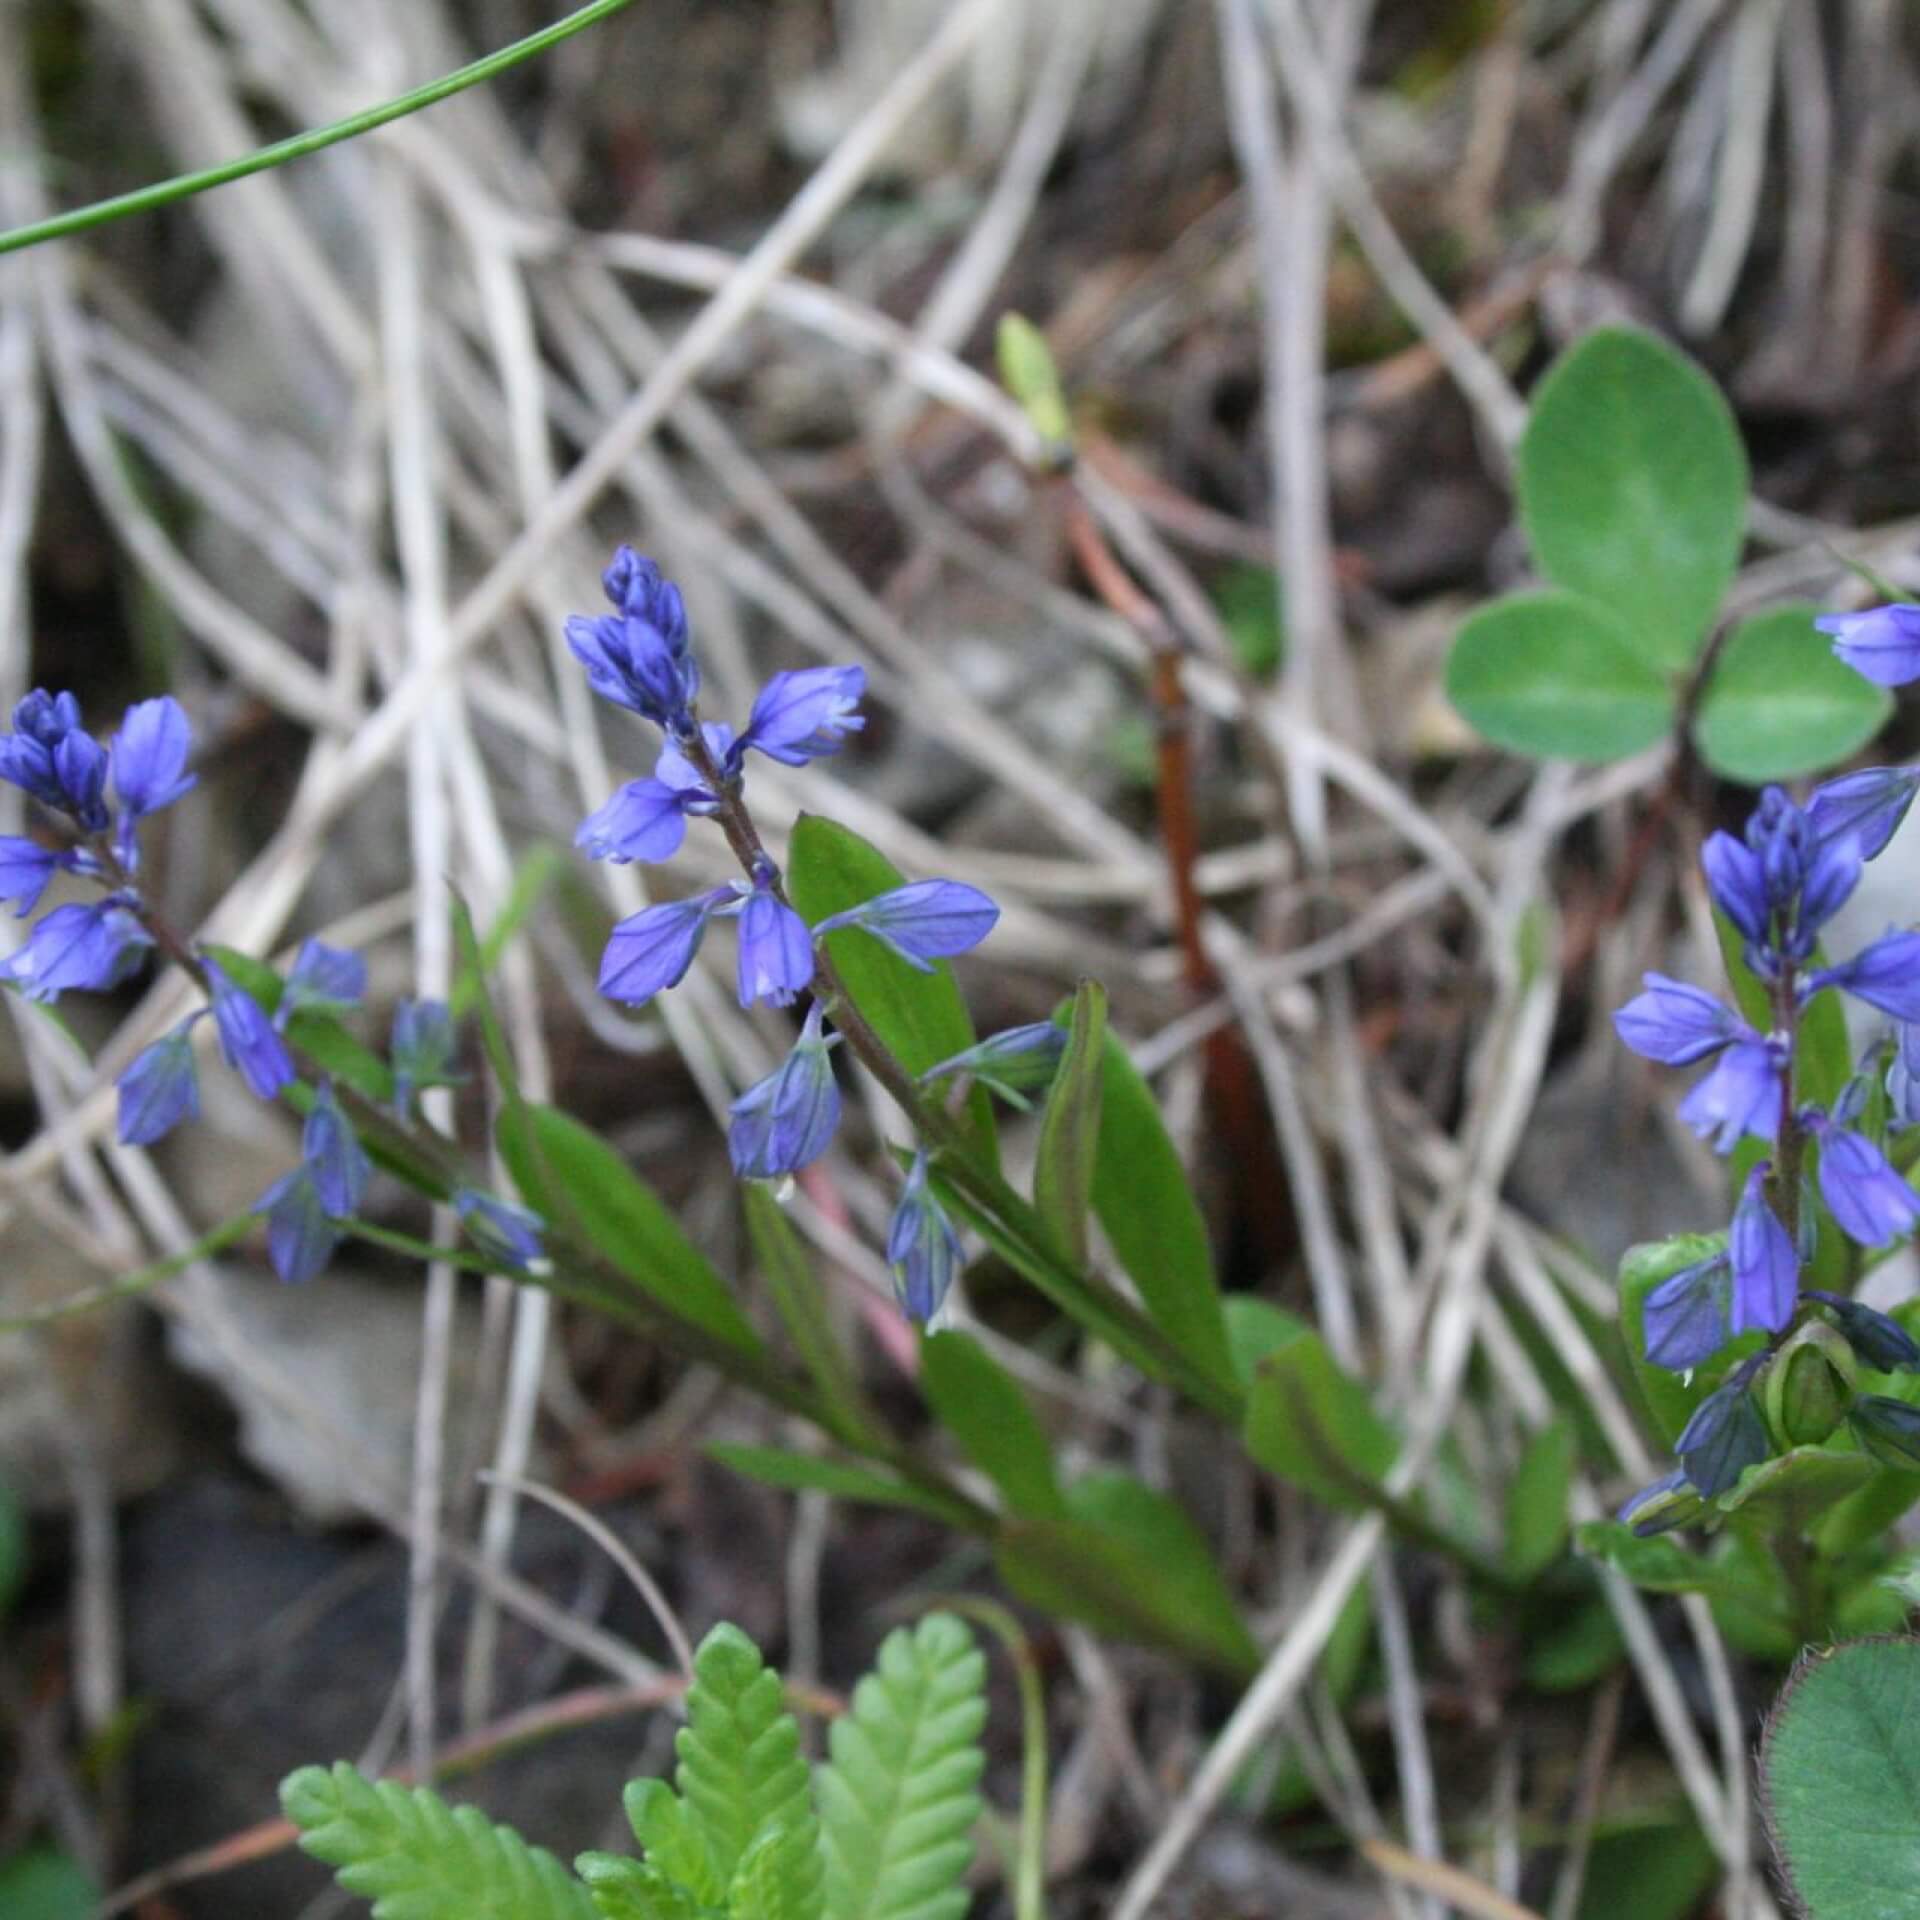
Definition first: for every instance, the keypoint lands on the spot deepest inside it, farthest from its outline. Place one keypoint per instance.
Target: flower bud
(1810, 1386)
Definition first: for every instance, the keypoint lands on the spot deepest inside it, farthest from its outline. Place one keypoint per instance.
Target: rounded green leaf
(1553, 675)
(1842, 1773)
(1779, 703)
(1633, 487)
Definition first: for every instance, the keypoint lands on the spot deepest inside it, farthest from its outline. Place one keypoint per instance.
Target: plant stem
(183, 186)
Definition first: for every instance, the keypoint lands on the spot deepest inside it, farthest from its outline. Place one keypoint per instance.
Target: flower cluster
(639, 656)
(1778, 885)
(95, 797)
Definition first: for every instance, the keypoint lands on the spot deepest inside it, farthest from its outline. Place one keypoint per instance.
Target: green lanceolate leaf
(1313, 1424)
(1779, 703)
(899, 1795)
(920, 1016)
(741, 1772)
(1633, 488)
(470, 991)
(787, 1266)
(1028, 373)
(1793, 1487)
(1129, 1562)
(575, 1179)
(803, 1473)
(1841, 1770)
(982, 1406)
(1659, 1564)
(1537, 1501)
(1145, 1205)
(1557, 676)
(1070, 1126)
(416, 1858)
(13, 1548)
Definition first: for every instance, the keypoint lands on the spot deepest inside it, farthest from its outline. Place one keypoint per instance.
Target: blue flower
(83, 948)
(1867, 1198)
(80, 766)
(1677, 1024)
(324, 979)
(421, 1051)
(334, 1156)
(1885, 975)
(52, 757)
(647, 819)
(1740, 1096)
(1738, 884)
(1684, 1318)
(923, 1248)
(1882, 644)
(805, 715)
(160, 1088)
(1014, 1062)
(1670, 1502)
(640, 658)
(149, 756)
(1879, 1341)
(247, 1038)
(1903, 1075)
(787, 1121)
(506, 1233)
(776, 950)
(923, 922)
(1726, 1435)
(1766, 1269)
(300, 1236)
(25, 869)
(651, 950)
(1868, 806)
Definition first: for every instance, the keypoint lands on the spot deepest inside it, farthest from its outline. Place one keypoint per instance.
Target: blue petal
(1882, 644)
(247, 1038)
(509, 1234)
(1675, 1023)
(924, 922)
(1766, 1269)
(787, 1121)
(652, 950)
(334, 1156)
(645, 820)
(160, 1088)
(300, 1237)
(149, 756)
(776, 951)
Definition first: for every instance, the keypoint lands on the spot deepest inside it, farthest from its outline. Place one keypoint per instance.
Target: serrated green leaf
(803, 1473)
(1842, 1786)
(1070, 1124)
(1145, 1205)
(1780, 704)
(1537, 1501)
(624, 1889)
(741, 1772)
(1129, 1562)
(899, 1793)
(43, 1885)
(569, 1175)
(1313, 1424)
(779, 1877)
(1633, 487)
(416, 1858)
(1556, 676)
(982, 1406)
(674, 1842)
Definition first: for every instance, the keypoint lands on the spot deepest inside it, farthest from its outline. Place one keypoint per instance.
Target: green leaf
(1129, 1562)
(741, 1772)
(982, 1406)
(1252, 609)
(1028, 373)
(1313, 1424)
(1145, 1205)
(1780, 704)
(416, 1858)
(253, 977)
(674, 1841)
(1659, 1564)
(899, 1794)
(13, 1548)
(470, 991)
(1537, 1501)
(1556, 676)
(335, 1051)
(1653, 1873)
(43, 1885)
(1070, 1125)
(1573, 1645)
(779, 1877)
(1633, 488)
(802, 1473)
(787, 1267)
(1842, 1778)
(1791, 1488)
(920, 1016)
(1255, 1328)
(624, 1889)
(575, 1179)
(535, 871)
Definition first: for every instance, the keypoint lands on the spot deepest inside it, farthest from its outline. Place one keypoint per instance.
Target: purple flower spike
(1867, 806)
(923, 1249)
(300, 1237)
(639, 657)
(247, 1038)
(786, 1121)
(1881, 644)
(334, 1157)
(1885, 975)
(160, 1089)
(326, 979)
(149, 756)
(645, 820)
(1677, 1024)
(1740, 1096)
(1738, 883)
(509, 1234)
(806, 715)
(924, 922)
(78, 948)
(651, 950)
(1684, 1318)
(25, 869)
(1766, 1270)
(421, 1051)
(1867, 1198)
(776, 951)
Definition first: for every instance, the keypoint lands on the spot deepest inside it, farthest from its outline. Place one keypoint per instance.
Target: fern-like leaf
(741, 1772)
(624, 1889)
(673, 1840)
(899, 1796)
(778, 1878)
(416, 1858)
